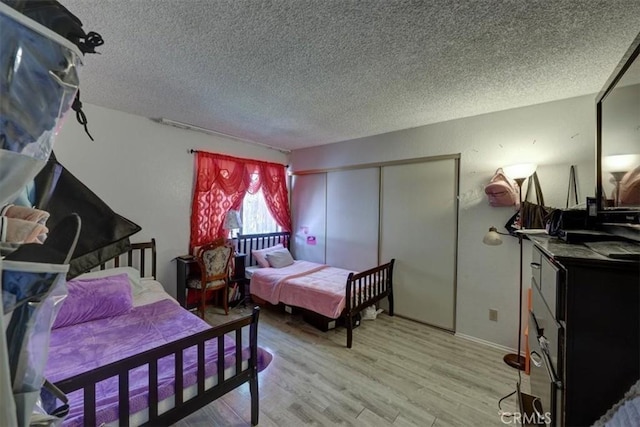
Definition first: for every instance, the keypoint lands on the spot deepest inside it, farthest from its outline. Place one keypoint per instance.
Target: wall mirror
(618, 142)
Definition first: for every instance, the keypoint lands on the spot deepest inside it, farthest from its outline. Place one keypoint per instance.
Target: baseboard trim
(488, 343)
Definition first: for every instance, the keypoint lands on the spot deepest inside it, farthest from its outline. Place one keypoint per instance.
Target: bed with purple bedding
(122, 364)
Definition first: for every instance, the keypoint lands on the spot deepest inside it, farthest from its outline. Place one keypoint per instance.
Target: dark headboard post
(153, 259)
(142, 250)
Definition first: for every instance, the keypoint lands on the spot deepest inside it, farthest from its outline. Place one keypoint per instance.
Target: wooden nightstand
(187, 267)
(238, 278)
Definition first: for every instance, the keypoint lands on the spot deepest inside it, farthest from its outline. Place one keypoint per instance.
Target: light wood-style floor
(398, 373)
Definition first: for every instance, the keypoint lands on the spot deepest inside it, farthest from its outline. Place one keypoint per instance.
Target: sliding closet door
(419, 228)
(352, 218)
(308, 209)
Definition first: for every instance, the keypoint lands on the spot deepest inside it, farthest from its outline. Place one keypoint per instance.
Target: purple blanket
(82, 347)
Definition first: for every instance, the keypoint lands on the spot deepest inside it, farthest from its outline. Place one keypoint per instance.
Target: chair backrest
(214, 259)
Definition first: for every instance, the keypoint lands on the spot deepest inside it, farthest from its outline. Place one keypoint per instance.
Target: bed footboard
(87, 381)
(365, 289)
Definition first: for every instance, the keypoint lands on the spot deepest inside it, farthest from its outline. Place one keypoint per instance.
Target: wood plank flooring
(398, 373)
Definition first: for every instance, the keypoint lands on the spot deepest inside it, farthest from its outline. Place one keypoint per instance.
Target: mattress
(248, 272)
(316, 287)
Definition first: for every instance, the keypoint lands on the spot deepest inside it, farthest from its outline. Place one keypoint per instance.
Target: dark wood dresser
(584, 331)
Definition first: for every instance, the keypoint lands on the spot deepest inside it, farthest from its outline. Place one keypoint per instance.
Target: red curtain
(221, 183)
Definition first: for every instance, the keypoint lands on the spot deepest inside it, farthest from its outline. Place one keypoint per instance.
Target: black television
(618, 148)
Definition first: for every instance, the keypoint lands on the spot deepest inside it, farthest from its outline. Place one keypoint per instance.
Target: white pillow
(259, 254)
(132, 273)
(280, 258)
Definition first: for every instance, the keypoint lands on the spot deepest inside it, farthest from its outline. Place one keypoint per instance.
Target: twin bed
(137, 357)
(333, 295)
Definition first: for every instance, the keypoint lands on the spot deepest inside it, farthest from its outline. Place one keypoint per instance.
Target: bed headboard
(250, 242)
(141, 256)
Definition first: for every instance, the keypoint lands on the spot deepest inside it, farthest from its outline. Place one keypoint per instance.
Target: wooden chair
(214, 260)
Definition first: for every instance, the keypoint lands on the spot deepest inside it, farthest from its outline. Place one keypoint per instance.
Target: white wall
(553, 135)
(143, 171)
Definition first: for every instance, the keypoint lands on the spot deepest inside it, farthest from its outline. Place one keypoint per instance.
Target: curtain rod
(192, 151)
(187, 126)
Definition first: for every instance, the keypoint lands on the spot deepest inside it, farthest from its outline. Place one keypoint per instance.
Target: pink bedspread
(316, 287)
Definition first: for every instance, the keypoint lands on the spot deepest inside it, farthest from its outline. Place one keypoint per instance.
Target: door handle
(552, 376)
(544, 344)
(540, 417)
(536, 359)
(535, 265)
(534, 320)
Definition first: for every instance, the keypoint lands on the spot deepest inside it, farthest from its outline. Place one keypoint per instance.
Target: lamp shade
(232, 220)
(620, 162)
(521, 170)
(492, 238)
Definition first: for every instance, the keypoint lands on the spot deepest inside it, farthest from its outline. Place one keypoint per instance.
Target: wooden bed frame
(88, 380)
(362, 289)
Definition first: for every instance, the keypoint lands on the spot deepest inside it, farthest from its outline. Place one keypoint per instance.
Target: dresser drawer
(551, 287)
(536, 263)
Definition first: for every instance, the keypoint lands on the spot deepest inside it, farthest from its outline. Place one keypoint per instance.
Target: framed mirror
(618, 143)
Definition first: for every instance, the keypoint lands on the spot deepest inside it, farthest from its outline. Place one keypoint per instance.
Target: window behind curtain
(222, 182)
(256, 218)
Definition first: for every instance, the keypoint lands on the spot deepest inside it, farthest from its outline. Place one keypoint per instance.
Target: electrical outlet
(493, 315)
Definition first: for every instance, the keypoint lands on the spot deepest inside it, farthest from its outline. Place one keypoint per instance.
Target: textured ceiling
(299, 73)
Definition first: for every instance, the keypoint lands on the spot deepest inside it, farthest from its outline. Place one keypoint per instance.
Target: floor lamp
(618, 166)
(518, 173)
